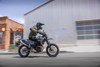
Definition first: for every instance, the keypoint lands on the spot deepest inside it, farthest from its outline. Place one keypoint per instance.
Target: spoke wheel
(52, 50)
(23, 51)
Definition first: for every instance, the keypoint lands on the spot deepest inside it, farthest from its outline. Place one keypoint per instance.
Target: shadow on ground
(16, 53)
(32, 57)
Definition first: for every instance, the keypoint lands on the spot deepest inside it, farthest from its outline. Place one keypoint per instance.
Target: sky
(15, 9)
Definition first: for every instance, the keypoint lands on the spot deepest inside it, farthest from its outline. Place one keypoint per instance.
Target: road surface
(42, 60)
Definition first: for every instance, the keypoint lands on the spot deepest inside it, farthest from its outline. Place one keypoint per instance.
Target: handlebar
(44, 34)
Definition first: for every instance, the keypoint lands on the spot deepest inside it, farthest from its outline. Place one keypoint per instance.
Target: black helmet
(39, 25)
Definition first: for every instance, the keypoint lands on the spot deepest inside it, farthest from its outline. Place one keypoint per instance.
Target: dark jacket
(33, 32)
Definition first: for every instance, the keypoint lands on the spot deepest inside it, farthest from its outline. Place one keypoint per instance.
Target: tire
(21, 54)
(48, 48)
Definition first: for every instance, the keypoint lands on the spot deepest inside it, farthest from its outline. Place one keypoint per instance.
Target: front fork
(48, 43)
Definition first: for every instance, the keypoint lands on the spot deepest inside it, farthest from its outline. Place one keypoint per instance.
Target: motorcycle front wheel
(23, 51)
(52, 50)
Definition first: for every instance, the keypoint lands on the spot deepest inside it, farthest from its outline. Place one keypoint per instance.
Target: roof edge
(38, 7)
(15, 22)
(3, 17)
(7, 18)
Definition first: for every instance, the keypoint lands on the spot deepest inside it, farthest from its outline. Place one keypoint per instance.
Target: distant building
(10, 32)
(69, 22)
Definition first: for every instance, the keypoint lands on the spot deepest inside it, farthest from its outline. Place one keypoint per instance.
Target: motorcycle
(27, 46)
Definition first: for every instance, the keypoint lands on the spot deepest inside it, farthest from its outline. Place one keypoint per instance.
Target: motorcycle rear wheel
(50, 49)
(23, 51)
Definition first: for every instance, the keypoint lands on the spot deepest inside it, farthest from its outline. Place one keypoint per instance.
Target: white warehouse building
(68, 22)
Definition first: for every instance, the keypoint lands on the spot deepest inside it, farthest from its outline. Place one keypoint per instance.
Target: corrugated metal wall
(59, 17)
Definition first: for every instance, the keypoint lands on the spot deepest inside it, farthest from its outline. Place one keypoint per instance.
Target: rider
(34, 31)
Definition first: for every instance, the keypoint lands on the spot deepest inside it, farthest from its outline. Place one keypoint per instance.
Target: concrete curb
(81, 49)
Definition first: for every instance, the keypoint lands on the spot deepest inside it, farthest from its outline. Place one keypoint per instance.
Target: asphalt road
(42, 60)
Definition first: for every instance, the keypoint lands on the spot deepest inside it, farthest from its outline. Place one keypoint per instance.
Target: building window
(18, 35)
(81, 37)
(1, 35)
(88, 29)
